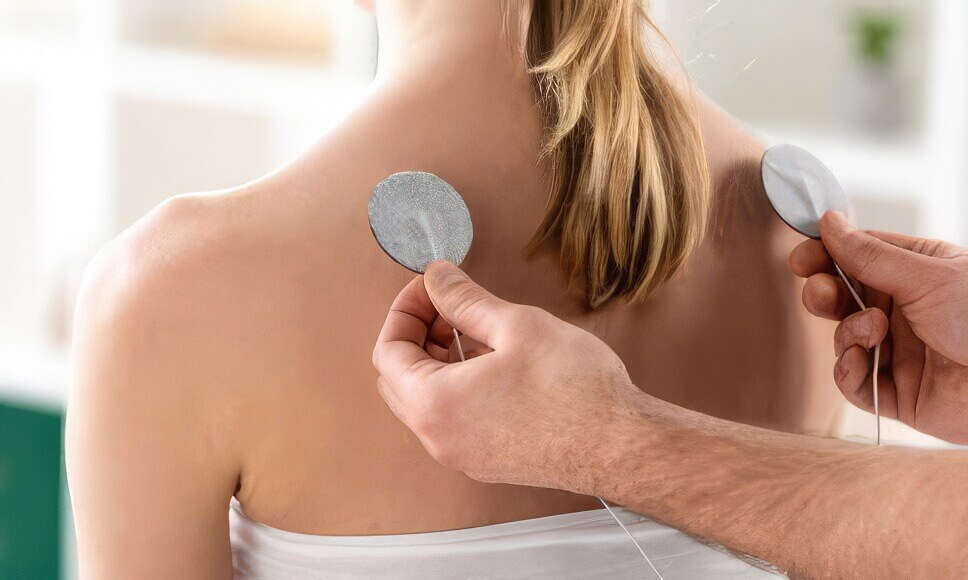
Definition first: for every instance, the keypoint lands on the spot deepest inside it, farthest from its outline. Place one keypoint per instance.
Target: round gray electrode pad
(418, 218)
(801, 188)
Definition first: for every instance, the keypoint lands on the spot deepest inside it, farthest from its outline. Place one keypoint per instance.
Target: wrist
(620, 442)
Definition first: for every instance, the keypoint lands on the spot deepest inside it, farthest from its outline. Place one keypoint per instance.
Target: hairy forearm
(811, 506)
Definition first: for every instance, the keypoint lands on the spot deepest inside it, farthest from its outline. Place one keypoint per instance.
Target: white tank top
(579, 545)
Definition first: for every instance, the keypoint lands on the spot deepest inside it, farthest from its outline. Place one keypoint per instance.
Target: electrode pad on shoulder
(801, 188)
(418, 218)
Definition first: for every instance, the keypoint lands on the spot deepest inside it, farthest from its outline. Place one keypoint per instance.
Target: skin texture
(223, 343)
(921, 286)
(562, 412)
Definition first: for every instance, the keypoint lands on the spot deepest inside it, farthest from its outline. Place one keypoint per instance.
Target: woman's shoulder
(217, 281)
(154, 418)
(156, 265)
(185, 285)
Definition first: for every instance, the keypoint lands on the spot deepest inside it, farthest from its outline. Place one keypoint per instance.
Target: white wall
(164, 149)
(783, 63)
(19, 225)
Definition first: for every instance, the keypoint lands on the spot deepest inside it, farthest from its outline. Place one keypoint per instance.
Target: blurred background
(109, 107)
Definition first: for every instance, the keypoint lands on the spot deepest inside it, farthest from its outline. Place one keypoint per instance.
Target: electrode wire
(877, 350)
(460, 349)
(631, 537)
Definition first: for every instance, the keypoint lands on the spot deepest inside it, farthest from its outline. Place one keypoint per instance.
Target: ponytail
(629, 200)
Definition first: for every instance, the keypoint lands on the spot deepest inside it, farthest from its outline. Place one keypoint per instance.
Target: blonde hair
(629, 200)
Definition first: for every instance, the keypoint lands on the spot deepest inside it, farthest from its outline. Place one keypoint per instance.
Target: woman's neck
(463, 41)
(452, 96)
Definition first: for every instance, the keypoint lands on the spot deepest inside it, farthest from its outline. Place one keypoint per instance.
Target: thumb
(875, 262)
(465, 305)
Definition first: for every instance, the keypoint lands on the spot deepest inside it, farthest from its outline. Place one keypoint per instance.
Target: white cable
(877, 351)
(460, 351)
(631, 537)
(877, 411)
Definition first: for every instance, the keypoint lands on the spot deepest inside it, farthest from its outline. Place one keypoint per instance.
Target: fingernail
(444, 273)
(840, 218)
(840, 373)
(438, 266)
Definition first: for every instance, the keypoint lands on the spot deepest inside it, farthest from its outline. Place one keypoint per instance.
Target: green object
(30, 494)
(877, 35)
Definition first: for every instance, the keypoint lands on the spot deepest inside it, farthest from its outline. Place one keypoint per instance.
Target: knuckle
(527, 319)
(436, 427)
(443, 448)
(426, 424)
(383, 388)
(433, 406)
(930, 247)
(397, 406)
(445, 454)
(435, 416)
(467, 300)
(542, 317)
(858, 328)
(375, 356)
(953, 272)
(868, 254)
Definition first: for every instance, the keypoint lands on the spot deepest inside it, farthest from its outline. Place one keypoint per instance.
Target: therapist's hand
(527, 411)
(917, 294)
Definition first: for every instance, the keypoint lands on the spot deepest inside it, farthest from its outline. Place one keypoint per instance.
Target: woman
(223, 343)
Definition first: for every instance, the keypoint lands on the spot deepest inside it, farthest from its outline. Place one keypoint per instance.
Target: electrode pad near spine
(418, 218)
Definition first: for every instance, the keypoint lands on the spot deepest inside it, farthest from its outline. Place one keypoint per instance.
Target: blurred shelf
(34, 377)
(187, 76)
(30, 58)
(68, 78)
(890, 169)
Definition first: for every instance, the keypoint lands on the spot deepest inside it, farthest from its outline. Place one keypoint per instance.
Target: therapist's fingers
(810, 257)
(850, 374)
(876, 263)
(854, 379)
(865, 329)
(440, 339)
(826, 296)
(399, 354)
(923, 246)
(441, 332)
(473, 348)
(853, 340)
(438, 352)
(472, 309)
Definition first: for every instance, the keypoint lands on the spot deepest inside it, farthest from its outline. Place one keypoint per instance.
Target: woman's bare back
(328, 457)
(224, 342)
